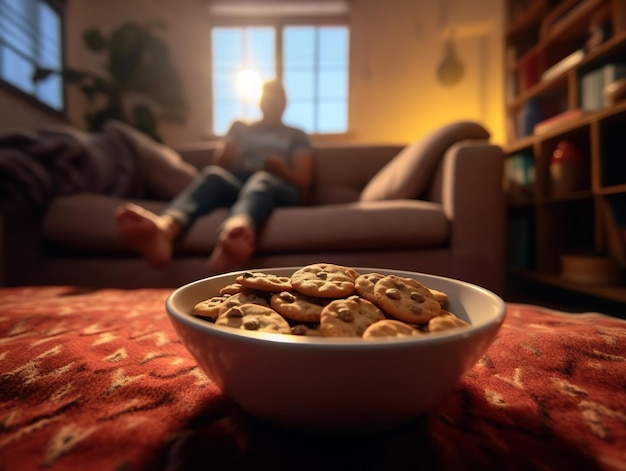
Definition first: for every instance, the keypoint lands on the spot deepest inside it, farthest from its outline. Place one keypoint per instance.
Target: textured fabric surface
(84, 222)
(39, 164)
(99, 380)
(410, 172)
(164, 172)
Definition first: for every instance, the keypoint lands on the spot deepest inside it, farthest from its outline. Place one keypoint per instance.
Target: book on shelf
(558, 120)
(593, 84)
(564, 65)
(529, 115)
(519, 181)
(529, 71)
(562, 15)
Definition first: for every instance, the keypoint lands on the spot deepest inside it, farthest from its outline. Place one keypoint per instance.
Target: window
(30, 35)
(311, 59)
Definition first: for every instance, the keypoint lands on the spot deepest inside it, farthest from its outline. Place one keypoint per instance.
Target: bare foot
(146, 232)
(235, 246)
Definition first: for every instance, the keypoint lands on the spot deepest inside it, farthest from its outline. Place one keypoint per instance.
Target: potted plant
(138, 84)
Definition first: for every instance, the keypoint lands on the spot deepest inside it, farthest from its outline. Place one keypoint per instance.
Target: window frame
(279, 23)
(59, 7)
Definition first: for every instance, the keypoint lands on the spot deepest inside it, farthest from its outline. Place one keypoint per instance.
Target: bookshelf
(565, 168)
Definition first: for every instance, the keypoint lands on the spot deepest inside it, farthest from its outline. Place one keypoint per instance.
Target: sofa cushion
(408, 174)
(164, 172)
(375, 225)
(85, 223)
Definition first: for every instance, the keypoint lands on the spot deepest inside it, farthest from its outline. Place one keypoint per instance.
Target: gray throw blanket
(37, 165)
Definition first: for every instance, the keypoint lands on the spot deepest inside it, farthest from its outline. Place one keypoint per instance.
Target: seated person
(260, 166)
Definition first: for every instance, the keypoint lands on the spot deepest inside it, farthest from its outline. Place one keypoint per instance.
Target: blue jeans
(252, 195)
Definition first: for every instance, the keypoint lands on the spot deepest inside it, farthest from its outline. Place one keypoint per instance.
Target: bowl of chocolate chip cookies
(327, 348)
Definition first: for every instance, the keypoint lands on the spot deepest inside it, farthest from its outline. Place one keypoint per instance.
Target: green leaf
(137, 62)
(42, 73)
(94, 40)
(144, 119)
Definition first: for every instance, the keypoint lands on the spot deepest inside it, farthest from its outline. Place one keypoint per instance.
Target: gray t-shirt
(255, 141)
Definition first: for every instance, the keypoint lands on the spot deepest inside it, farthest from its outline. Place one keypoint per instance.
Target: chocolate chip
(322, 275)
(417, 297)
(234, 312)
(287, 296)
(251, 324)
(416, 309)
(345, 314)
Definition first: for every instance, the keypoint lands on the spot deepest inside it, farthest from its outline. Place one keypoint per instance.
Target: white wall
(186, 34)
(16, 111)
(396, 47)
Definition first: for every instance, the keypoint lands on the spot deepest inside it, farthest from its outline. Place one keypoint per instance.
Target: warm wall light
(249, 85)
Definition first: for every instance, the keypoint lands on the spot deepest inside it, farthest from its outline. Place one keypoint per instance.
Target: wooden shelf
(611, 46)
(520, 144)
(615, 44)
(574, 196)
(548, 226)
(612, 190)
(539, 89)
(573, 21)
(526, 20)
(567, 126)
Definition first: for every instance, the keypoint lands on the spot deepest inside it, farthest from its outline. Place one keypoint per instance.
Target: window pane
(333, 47)
(49, 41)
(333, 84)
(260, 51)
(299, 46)
(50, 91)
(314, 67)
(30, 35)
(17, 71)
(226, 112)
(299, 84)
(227, 48)
(332, 117)
(223, 115)
(18, 29)
(224, 87)
(300, 114)
(236, 49)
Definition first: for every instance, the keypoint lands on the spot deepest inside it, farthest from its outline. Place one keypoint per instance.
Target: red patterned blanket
(97, 379)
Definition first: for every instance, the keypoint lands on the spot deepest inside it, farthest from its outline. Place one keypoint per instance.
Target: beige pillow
(408, 174)
(164, 172)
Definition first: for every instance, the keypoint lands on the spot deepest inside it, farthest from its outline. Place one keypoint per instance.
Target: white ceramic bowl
(337, 385)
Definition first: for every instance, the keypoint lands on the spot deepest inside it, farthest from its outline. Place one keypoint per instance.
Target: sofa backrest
(340, 174)
(342, 171)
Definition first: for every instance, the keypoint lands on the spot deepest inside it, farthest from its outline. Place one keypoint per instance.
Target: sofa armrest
(21, 243)
(471, 193)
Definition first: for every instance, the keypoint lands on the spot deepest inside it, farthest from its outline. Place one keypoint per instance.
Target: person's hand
(300, 172)
(275, 164)
(227, 153)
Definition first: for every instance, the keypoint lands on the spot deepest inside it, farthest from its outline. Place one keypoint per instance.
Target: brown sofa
(454, 227)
